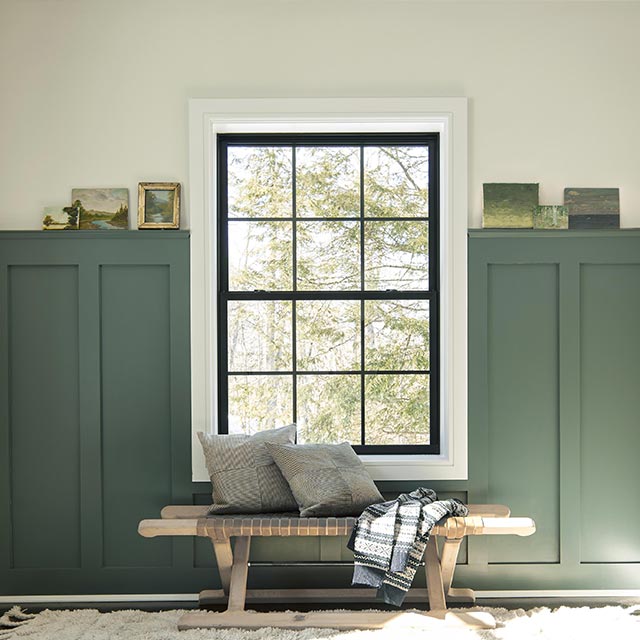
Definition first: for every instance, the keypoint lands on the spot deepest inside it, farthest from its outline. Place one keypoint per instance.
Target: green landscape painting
(509, 205)
(593, 208)
(58, 218)
(551, 216)
(102, 208)
(159, 205)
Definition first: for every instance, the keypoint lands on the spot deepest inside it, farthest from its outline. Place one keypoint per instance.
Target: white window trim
(448, 117)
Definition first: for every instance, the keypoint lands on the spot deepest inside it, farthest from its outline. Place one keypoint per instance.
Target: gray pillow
(244, 477)
(326, 479)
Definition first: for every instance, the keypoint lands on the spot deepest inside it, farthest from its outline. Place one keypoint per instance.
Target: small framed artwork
(59, 218)
(159, 205)
(550, 216)
(593, 208)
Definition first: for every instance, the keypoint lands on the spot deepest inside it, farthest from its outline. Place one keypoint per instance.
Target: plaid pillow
(244, 477)
(326, 479)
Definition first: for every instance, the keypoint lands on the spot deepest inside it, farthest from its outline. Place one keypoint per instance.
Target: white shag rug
(565, 623)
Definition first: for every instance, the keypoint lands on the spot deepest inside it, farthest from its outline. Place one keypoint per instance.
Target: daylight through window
(328, 288)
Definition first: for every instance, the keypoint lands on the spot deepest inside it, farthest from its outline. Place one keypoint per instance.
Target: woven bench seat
(195, 521)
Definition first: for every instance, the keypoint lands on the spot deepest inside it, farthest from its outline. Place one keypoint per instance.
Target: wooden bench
(233, 566)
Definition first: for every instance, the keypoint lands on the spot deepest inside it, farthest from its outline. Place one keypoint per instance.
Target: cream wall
(94, 92)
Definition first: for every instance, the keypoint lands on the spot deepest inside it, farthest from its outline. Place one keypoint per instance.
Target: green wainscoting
(94, 407)
(95, 415)
(554, 411)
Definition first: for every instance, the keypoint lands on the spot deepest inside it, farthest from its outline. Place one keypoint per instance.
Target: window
(212, 119)
(328, 288)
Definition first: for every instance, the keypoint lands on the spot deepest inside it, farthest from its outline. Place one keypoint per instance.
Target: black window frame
(432, 294)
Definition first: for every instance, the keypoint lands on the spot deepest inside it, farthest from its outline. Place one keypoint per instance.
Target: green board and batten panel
(94, 336)
(95, 417)
(610, 411)
(522, 365)
(42, 309)
(554, 352)
(136, 402)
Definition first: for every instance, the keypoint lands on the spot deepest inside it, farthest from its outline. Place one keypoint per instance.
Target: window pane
(259, 184)
(259, 335)
(257, 403)
(328, 181)
(328, 255)
(396, 334)
(396, 255)
(329, 408)
(260, 256)
(396, 181)
(397, 409)
(328, 335)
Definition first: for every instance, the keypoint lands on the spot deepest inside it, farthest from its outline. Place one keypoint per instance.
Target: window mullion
(294, 274)
(363, 435)
(391, 294)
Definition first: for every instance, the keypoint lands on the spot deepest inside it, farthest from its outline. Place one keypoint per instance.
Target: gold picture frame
(158, 205)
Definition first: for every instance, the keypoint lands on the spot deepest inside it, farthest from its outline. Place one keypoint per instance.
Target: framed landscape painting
(102, 208)
(509, 205)
(159, 205)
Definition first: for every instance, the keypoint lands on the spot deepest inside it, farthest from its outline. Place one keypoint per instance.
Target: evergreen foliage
(328, 183)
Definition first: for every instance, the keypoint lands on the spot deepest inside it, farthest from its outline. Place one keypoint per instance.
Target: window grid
(294, 284)
(362, 295)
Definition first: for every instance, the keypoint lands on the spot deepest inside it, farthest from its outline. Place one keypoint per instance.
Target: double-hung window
(329, 275)
(328, 287)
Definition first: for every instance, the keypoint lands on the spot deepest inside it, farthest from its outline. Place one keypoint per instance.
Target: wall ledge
(553, 233)
(124, 234)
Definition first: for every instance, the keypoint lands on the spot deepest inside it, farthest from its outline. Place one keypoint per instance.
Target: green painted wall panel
(552, 355)
(610, 412)
(136, 437)
(43, 409)
(523, 463)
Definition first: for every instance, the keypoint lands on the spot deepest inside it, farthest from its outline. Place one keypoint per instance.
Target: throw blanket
(389, 540)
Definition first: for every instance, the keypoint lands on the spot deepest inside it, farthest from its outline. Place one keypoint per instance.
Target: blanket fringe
(13, 619)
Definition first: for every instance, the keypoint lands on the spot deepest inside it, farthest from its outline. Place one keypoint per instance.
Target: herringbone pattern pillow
(244, 477)
(326, 479)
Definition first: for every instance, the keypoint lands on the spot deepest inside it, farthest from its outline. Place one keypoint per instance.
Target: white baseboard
(128, 597)
(568, 593)
(193, 597)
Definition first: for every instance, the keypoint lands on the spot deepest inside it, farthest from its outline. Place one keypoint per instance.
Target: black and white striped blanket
(389, 539)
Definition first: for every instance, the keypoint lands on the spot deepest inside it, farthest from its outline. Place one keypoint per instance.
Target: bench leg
(224, 558)
(433, 570)
(448, 558)
(449, 555)
(239, 572)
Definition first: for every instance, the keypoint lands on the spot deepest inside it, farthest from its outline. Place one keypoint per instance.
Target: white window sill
(385, 467)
